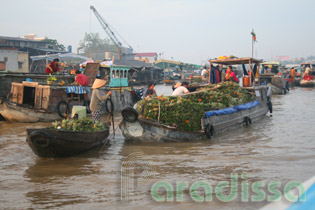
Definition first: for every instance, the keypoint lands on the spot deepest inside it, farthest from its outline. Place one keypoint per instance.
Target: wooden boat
(279, 85)
(143, 130)
(14, 113)
(169, 82)
(51, 143)
(31, 102)
(306, 83)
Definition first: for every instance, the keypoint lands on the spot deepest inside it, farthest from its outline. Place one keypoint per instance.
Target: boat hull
(52, 143)
(16, 113)
(305, 83)
(144, 130)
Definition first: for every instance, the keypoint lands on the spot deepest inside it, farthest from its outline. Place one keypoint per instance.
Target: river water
(279, 148)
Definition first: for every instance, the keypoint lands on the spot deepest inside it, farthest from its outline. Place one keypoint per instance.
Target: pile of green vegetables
(186, 112)
(79, 125)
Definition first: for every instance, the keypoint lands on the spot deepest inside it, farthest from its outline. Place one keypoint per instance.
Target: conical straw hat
(98, 83)
(178, 84)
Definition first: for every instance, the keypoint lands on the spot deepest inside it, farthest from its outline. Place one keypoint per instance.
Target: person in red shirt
(52, 67)
(230, 75)
(81, 79)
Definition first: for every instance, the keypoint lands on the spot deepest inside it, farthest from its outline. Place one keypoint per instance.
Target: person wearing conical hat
(96, 99)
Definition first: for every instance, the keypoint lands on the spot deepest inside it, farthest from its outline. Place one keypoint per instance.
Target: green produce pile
(186, 112)
(79, 125)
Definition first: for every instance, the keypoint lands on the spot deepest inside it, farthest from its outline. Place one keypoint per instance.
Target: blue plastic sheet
(221, 112)
(246, 106)
(231, 110)
(77, 89)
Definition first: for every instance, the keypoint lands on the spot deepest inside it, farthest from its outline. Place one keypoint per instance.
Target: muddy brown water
(279, 148)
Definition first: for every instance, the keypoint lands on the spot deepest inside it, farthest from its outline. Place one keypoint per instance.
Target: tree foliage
(93, 43)
(53, 44)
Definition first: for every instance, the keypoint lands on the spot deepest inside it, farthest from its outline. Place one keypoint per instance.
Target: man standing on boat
(52, 67)
(181, 90)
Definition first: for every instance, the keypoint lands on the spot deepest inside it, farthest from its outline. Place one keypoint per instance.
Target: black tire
(41, 139)
(209, 131)
(63, 109)
(109, 105)
(270, 106)
(247, 121)
(129, 114)
(87, 105)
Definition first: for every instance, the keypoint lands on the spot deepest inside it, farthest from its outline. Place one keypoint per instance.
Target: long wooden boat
(15, 113)
(51, 143)
(214, 122)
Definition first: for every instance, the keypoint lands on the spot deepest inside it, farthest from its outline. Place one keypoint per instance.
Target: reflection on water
(275, 148)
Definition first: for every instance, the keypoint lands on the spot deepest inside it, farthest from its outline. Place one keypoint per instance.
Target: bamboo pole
(210, 73)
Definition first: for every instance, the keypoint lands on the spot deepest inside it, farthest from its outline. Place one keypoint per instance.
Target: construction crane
(109, 32)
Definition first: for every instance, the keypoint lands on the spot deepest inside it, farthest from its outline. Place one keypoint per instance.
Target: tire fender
(247, 121)
(130, 114)
(209, 131)
(41, 139)
(270, 107)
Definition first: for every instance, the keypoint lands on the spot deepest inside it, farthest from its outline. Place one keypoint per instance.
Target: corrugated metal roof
(19, 39)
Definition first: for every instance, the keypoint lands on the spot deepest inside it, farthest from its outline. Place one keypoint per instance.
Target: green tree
(93, 43)
(53, 44)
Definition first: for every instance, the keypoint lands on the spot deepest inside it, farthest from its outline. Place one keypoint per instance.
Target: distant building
(281, 58)
(33, 37)
(149, 57)
(15, 52)
(9, 58)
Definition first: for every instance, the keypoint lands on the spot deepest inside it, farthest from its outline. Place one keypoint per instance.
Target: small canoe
(51, 143)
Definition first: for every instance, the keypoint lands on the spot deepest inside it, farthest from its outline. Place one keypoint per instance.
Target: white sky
(187, 30)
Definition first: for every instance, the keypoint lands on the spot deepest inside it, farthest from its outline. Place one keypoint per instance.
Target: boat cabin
(270, 67)
(36, 96)
(253, 70)
(120, 76)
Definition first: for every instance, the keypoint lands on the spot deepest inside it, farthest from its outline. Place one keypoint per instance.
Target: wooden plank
(14, 91)
(38, 97)
(91, 70)
(30, 84)
(20, 94)
(45, 97)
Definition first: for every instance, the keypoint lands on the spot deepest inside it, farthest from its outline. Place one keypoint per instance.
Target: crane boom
(106, 28)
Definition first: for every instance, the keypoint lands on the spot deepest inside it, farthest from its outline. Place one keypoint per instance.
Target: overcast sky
(187, 30)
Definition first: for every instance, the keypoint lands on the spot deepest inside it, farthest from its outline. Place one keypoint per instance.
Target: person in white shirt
(181, 90)
(204, 72)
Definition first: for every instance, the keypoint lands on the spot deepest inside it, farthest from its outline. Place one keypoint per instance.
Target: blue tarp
(231, 110)
(77, 89)
(246, 106)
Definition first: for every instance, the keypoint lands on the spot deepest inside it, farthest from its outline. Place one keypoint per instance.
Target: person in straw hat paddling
(96, 99)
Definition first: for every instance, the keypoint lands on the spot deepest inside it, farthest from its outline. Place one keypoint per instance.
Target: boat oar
(110, 112)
